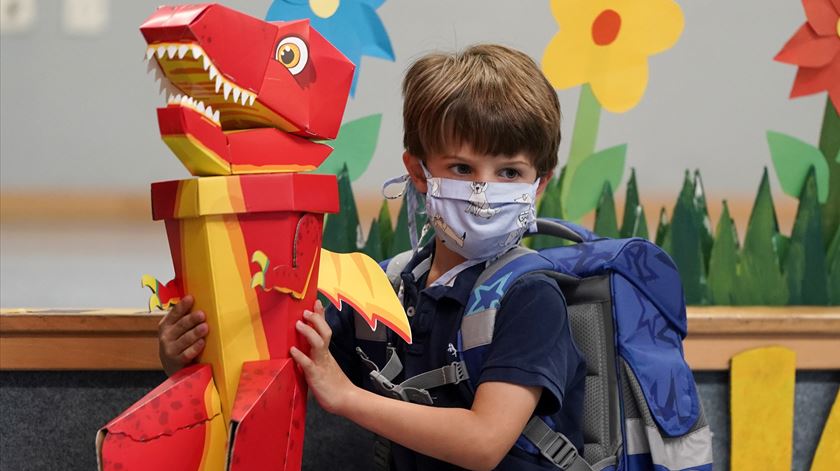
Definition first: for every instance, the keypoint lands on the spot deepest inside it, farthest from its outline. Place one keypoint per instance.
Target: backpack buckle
(407, 394)
(560, 451)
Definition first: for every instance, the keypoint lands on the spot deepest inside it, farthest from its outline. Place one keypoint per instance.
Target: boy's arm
(476, 438)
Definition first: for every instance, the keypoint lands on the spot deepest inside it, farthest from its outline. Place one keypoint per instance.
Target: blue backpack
(627, 315)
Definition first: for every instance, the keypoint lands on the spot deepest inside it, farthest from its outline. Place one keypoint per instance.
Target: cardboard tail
(177, 426)
(268, 417)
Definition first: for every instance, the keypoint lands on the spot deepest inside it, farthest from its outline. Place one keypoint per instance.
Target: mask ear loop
(413, 199)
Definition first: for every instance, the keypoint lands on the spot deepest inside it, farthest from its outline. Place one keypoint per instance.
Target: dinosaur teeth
(182, 51)
(236, 93)
(201, 107)
(245, 96)
(161, 51)
(218, 83)
(196, 51)
(213, 73)
(216, 117)
(227, 89)
(172, 50)
(251, 99)
(150, 52)
(206, 62)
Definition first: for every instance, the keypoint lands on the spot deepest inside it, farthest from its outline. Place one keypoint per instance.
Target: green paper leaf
(792, 158)
(342, 232)
(605, 219)
(684, 244)
(588, 180)
(353, 147)
(723, 262)
(760, 279)
(805, 265)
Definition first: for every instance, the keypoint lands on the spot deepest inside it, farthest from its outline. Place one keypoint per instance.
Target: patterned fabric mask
(480, 220)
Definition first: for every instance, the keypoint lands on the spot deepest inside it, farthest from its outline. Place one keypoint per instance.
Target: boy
(481, 134)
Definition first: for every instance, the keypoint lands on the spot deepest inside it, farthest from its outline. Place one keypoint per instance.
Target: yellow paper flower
(606, 43)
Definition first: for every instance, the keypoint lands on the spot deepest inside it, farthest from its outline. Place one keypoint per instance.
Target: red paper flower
(815, 48)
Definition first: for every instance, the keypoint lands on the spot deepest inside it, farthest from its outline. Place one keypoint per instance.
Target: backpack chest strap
(414, 389)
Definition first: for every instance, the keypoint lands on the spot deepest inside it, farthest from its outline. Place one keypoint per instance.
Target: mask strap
(394, 181)
(412, 198)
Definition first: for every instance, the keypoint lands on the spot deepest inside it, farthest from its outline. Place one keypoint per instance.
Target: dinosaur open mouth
(191, 80)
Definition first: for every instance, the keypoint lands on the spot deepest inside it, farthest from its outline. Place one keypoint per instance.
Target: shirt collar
(417, 269)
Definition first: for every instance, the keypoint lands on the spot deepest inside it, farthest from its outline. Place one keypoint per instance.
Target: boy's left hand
(328, 383)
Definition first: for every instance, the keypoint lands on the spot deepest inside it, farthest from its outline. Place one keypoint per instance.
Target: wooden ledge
(126, 339)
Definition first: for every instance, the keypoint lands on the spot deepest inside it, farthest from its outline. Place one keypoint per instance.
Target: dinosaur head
(243, 73)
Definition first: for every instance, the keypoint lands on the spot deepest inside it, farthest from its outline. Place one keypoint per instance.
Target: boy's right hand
(181, 336)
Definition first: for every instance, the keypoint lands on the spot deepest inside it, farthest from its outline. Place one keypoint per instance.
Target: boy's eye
(461, 169)
(509, 173)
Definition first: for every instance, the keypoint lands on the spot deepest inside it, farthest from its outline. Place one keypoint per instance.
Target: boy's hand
(328, 383)
(181, 336)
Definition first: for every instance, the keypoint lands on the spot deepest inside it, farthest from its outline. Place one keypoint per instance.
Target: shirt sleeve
(343, 341)
(532, 342)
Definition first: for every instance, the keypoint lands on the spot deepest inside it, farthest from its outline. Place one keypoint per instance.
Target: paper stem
(584, 135)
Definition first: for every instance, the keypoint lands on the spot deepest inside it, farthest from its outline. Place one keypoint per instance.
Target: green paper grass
(805, 267)
(723, 263)
(760, 280)
(605, 219)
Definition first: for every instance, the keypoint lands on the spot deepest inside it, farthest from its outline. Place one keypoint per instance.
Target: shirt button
(410, 311)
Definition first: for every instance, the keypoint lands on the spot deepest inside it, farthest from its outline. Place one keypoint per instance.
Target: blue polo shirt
(532, 346)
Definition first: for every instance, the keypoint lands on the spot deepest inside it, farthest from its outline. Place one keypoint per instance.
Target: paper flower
(815, 48)
(352, 26)
(606, 43)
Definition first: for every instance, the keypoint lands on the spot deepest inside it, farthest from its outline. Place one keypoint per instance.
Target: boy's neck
(443, 261)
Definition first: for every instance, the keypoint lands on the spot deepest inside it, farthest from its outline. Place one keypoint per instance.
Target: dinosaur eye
(293, 53)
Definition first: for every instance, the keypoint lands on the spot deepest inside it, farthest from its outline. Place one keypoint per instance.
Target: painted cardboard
(246, 95)
(243, 112)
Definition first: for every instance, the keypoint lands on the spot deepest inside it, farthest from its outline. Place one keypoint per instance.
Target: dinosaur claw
(261, 259)
(258, 280)
(154, 303)
(148, 281)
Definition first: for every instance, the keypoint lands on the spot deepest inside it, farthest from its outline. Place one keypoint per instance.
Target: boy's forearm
(455, 435)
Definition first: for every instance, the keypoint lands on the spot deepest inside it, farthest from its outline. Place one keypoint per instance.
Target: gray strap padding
(500, 262)
(396, 265)
(554, 446)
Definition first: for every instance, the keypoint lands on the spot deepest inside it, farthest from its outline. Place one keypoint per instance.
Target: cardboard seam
(164, 434)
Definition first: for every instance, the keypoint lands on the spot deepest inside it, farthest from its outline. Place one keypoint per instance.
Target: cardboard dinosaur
(249, 103)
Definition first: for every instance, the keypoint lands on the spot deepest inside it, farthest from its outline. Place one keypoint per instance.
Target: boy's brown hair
(492, 97)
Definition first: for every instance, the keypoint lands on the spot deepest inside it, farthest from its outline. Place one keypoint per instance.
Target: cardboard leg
(266, 427)
(177, 426)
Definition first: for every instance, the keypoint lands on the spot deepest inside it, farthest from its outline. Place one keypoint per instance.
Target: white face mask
(480, 220)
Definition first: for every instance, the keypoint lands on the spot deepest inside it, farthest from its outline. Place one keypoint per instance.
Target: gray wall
(48, 419)
(78, 112)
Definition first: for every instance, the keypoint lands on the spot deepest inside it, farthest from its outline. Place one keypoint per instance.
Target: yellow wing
(358, 280)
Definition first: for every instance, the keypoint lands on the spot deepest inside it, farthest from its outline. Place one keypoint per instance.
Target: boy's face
(466, 164)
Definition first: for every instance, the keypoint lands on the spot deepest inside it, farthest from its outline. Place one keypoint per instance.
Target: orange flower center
(605, 28)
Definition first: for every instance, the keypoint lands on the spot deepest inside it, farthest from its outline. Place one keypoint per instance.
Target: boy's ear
(415, 171)
(544, 182)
